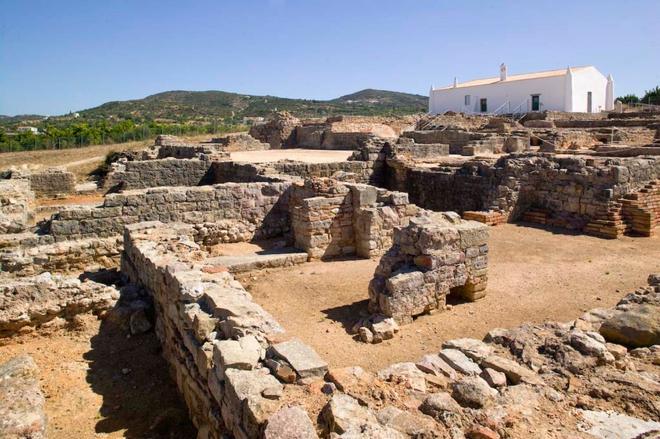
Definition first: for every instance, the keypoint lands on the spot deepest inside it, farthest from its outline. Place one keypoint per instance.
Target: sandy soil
(99, 383)
(534, 275)
(302, 155)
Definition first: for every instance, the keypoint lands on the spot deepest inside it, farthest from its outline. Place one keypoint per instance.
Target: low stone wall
(25, 258)
(571, 192)
(33, 301)
(22, 414)
(128, 175)
(216, 340)
(437, 253)
(16, 206)
(457, 139)
(264, 205)
(49, 183)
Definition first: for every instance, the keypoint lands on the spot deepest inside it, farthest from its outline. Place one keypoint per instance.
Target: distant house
(32, 130)
(574, 89)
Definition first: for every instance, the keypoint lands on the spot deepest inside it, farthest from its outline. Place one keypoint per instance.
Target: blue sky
(58, 56)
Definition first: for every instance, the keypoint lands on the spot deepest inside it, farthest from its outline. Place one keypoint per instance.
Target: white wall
(551, 91)
(586, 80)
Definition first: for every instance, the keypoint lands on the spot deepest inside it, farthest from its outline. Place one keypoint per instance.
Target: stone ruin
(418, 195)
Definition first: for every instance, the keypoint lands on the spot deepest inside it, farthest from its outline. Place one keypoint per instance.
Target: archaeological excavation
(425, 276)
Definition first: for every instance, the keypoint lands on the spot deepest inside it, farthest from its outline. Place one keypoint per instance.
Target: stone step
(283, 257)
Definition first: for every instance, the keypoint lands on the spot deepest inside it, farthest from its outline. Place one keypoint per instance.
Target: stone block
(304, 360)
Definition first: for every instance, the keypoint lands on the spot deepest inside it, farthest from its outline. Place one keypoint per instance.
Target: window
(467, 100)
(484, 104)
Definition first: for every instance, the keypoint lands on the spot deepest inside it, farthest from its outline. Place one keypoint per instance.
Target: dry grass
(80, 161)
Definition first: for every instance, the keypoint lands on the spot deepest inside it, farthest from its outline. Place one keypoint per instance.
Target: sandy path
(534, 275)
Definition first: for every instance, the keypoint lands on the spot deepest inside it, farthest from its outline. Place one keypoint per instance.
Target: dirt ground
(100, 384)
(302, 155)
(534, 275)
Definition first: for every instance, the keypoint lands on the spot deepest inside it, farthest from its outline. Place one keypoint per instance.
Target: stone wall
(16, 206)
(437, 253)
(264, 206)
(127, 175)
(457, 139)
(49, 183)
(216, 340)
(33, 301)
(563, 192)
(25, 258)
(334, 219)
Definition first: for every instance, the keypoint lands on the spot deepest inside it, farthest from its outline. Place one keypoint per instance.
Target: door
(483, 102)
(536, 102)
(589, 109)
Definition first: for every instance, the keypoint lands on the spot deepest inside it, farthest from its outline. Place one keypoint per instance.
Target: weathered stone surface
(243, 353)
(514, 372)
(605, 425)
(459, 361)
(637, 326)
(586, 345)
(343, 412)
(290, 423)
(433, 364)
(477, 350)
(405, 422)
(22, 413)
(304, 360)
(436, 404)
(348, 378)
(472, 392)
(406, 373)
(493, 377)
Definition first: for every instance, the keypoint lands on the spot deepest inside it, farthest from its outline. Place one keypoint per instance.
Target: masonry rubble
(22, 403)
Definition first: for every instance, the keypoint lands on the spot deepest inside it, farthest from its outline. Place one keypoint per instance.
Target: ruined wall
(563, 192)
(129, 175)
(215, 338)
(437, 253)
(457, 139)
(21, 400)
(33, 301)
(50, 183)
(330, 218)
(16, 206)
(263, 206)
(27, 258)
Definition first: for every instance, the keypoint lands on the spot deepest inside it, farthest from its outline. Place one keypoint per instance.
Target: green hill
(205, 105)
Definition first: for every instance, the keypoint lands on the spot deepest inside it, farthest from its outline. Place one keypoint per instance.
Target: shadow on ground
(348, 315)
(140, 398)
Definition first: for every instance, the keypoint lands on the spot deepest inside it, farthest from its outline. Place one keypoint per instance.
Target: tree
(628, 99)
(652, 96)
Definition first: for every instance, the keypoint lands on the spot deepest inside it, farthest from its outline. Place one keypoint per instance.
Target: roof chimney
(455, 82)
(502, 72)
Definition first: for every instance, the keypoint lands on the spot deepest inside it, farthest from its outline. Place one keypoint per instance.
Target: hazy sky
(58, 56)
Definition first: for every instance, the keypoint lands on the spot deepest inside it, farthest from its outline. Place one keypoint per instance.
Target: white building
(574, 89)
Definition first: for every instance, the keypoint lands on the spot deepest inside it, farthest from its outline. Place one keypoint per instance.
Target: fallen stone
(585, 344)
(493, 377)
(435, 365)
(481, 432)
(459, 361)
(304, 360)
(477, 350)
(366, 336)
(348, 378)
(513, 371)
(472, 392)
(438, 403)
(637, 326)
(612, 425)
(281, 370)
(343, 412)
(369, 431)
(291, 423)
(406, 373)
(405, 422)
(385, 328)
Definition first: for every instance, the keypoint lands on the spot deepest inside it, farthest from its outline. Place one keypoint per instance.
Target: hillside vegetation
(205, 105)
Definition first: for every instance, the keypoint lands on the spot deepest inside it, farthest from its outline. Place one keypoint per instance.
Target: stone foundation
(16, 206)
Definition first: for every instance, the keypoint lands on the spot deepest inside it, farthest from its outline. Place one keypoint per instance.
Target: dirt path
(99, 383)
(534, 275)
